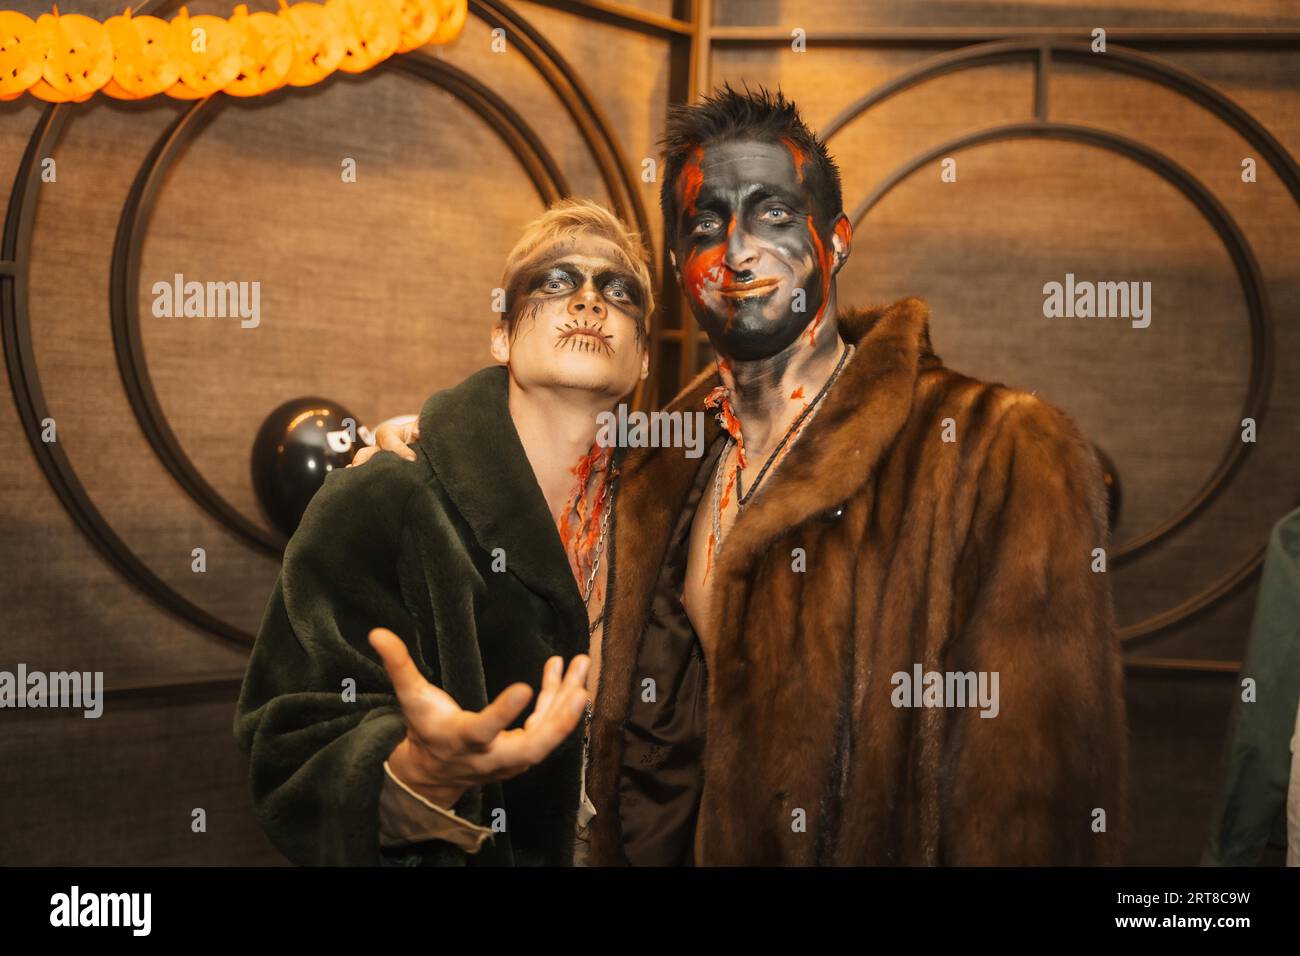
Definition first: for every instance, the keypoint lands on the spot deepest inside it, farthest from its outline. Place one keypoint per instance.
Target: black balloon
(1114, 496)
(300, 443)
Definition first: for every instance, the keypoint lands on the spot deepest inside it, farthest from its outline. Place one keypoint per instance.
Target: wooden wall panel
(121, 790)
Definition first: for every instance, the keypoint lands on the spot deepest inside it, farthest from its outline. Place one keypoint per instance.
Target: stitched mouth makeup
(578, 336)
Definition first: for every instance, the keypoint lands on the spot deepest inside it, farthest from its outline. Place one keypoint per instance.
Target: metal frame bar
(24, 381)
(1178, 37)
(621, 15)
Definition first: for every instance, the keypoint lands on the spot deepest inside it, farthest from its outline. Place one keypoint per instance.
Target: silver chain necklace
(590, 583)
(787, 440)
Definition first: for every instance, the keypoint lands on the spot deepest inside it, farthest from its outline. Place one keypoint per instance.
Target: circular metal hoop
(1042, 52)
(132, 226)
(1243, 259)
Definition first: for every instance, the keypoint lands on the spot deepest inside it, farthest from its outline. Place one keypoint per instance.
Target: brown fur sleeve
(1022, 787)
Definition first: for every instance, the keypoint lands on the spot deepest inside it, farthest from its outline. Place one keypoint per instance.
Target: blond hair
(571, 218)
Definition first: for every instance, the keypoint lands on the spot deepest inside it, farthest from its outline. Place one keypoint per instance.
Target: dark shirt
(661, 777)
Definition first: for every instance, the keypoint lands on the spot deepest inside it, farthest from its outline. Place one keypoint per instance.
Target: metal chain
(588, 588)
(717, 492)
(787, 440)
(600, 542)
(790, 433)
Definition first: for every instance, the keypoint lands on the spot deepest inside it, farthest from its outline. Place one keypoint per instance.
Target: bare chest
(714, 517)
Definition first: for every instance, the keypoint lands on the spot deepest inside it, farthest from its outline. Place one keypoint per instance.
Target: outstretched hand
(447, 749)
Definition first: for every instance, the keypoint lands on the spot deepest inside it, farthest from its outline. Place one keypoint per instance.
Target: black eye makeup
(563, 278)
(555, 279)
(620, 287)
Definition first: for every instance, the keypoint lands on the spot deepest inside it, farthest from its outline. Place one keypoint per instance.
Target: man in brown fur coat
(865, 627)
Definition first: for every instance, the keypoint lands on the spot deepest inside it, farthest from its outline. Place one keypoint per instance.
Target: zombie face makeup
(576, 319)
(563, 283)
(756, 252)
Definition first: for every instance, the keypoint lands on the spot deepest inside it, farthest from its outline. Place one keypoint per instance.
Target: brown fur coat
(970, 555)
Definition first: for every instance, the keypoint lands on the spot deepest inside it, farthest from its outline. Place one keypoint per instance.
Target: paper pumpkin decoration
(21, 61)
(370, 30)
(209, 55)
(317, 42)
(78, 56)
(67, 58)
(419, 21)
(451, 21)
(266, 53)
(145, 58)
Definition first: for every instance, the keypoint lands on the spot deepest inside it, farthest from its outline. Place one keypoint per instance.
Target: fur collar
(838, 449)
(472, 445)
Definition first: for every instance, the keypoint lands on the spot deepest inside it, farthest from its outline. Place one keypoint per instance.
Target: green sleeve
(1251, 808)
(317, 715)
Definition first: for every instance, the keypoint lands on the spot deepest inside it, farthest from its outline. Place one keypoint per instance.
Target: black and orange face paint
(548, 283)
(690, 181)
(798, 155)
(753, 246)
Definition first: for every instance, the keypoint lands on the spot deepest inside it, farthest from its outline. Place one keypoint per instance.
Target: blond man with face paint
(423, 598)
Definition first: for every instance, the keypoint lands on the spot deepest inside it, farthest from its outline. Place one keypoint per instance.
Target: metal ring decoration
(15, 255)
(1244, 261)
(30, 399)
(581, 107)
(137, 211)
(1248, 273)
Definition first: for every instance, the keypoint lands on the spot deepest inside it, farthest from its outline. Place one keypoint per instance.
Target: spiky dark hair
(729, 115)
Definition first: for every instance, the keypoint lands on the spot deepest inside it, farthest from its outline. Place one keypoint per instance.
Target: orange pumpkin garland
(67, 58)
(43, 91)
(451, 20)
(419, 20)
(209, 53)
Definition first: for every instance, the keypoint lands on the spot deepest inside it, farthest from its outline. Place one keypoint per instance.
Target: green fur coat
(413, 546)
